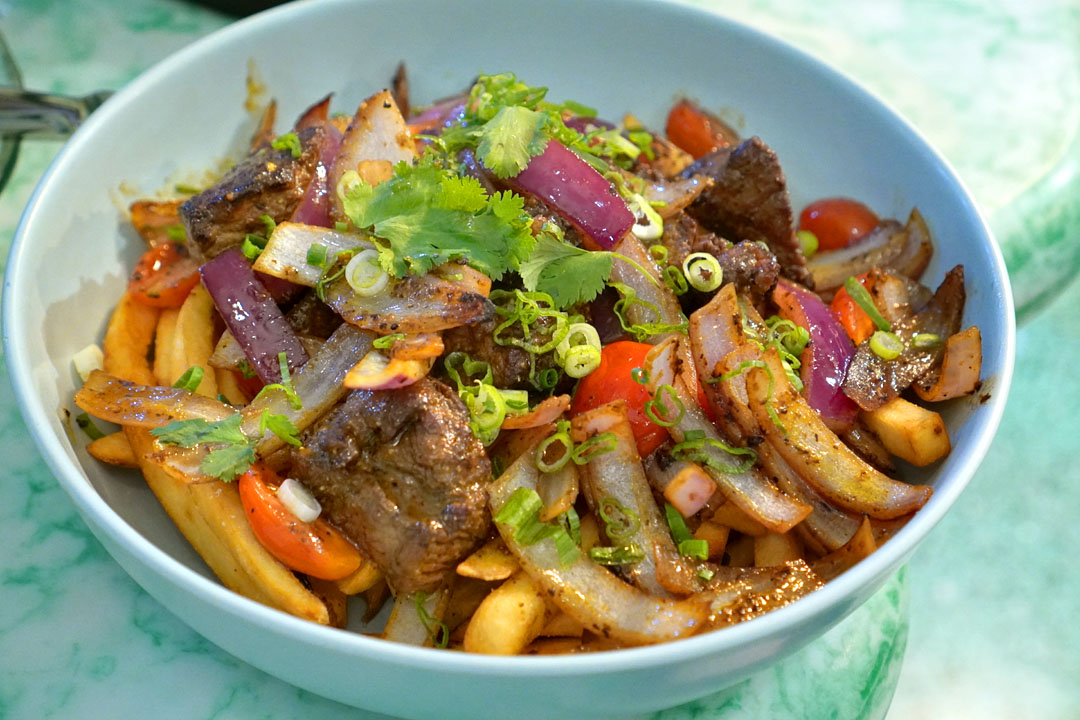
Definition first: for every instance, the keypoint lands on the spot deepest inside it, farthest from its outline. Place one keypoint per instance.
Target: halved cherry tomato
(313, 548)
(856, 323)
(164, 276)
(611, 381)
(837, 222)
(696, 131)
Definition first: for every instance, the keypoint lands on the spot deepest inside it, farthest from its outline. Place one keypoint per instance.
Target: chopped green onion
(620, 523)
(680, 532)
(659, 253)
(703, 271)
(925, 341)
(474, 371)
(244, 368)
(625, 555)
(581, 360)
(364, 275)
(341, 226)
(861, 296)
(648, 225)
(316, 255)
(704, 574)
(657, 403)
(547, 379)
(694, 451)
(641, 331)
(190, 379)
(288, 141)
(675, 280)
(386, 341)
(437, 630)
(285, 385)
(87, 426)
(572, 524)
(253, 246)
(808, 242)
(886, 345)
(594, 446)
(185, 189)
(561, 435)
(222, 399)
(694, 548)
(521, 512)
(640, 376)
(487, 410)
(269, 224)
(176, 233)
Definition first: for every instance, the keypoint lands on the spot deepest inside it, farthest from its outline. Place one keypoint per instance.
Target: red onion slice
(252, 315)
(826, 358)
(577, 192)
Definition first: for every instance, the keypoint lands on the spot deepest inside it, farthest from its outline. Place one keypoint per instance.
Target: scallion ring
(596, 445)
(562, 437)
(648, 225)
(660, 412)
(581, 360)
(703, 271)
(925, 341)
(364, 275)
(659, 253)
(886, 345)
(620, 523)
(675, 280)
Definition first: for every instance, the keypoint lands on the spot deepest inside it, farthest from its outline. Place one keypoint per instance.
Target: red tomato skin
(313, 548)
(837, 222)
(163, 276)
(611, 381)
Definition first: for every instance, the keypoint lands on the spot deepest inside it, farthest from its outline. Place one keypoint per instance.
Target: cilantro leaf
(196, 431)
(228, 462)
(511, 139)
(567, 273)
(280, 425)
(429, 216)
(224, 463)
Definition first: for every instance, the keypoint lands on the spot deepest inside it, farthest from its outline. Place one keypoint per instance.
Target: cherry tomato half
(163, 276)
(313, 548)
(696, 131)
(611, 381)
(837, 222)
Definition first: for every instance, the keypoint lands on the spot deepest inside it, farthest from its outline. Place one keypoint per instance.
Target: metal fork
(24, 112)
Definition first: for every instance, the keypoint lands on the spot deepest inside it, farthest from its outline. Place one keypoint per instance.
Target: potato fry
(716, 535)
(508, 619)
(229, 386)
(740, 551)
(553, 646)
(113, 449)
(772, 549)
(491, 562)
(164, 347)
(337, 602)
(730, 515)
(127, 341)
(193, 339)
(364, 578)
(466, 594)
(562, 625)
(909, 431)
(861, 545)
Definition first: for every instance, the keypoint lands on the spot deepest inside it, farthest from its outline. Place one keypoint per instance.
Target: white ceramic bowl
(72, 253)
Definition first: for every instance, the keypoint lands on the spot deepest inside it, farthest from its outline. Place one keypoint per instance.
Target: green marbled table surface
(987, 607)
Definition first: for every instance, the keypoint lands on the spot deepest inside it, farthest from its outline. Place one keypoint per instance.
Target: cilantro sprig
(232, 452)
(428, 216)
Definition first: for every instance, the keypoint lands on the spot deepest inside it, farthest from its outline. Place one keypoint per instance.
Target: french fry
(772, 549)
(363, 578)
(492, 561)
(740, 551)
(229, 386)
(909, 431)
(562, 625)
(730, 515)
(193, 339)
(127, 341)
(113, 449)
(466, 594)
(164, 347)
(716, 535)
(861, 545)
(508, 619)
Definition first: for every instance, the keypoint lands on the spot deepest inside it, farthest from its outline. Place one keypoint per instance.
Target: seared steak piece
(749, 201)
(509, 364)
(267, 182)
(311, 316)
(400, 473)
(750, 266)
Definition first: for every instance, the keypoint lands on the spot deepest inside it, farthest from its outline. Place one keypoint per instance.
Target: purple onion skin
(314, 208)
(577, 192)
(251, 315)
(581, 124)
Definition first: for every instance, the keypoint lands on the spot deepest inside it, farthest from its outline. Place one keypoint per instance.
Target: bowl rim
(106, 520)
